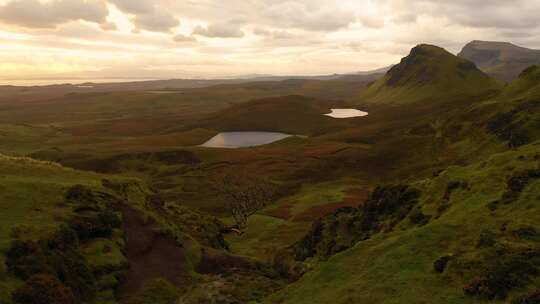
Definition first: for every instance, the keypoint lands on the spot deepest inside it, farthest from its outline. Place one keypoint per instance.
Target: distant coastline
(74, 81)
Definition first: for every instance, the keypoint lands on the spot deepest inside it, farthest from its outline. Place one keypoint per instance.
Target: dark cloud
(478, 14)
(148, 15)
(184, 38)
(134, 6)
(405, 18)
(157, 21)
(220, 30)
(274, 34)
(35, 14)
(302, 14)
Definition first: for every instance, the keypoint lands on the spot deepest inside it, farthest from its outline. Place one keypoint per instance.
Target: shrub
(419, 218)
(78, 193)
(492, 206)
(453, 186)
(485, 288)
(158, 291)
(26, 258)
(486, 239)
(504, 275)
(63, 238)
(440, 264)
(73, 270)
(527, 233)
(43, 289)
(58, 257)
(505, 127)
(385, 208)
(532, 298)
(99, 225)
(517, 183)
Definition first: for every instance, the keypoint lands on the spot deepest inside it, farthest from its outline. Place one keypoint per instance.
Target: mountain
(429, 73)
(502, 60)
(466, 234)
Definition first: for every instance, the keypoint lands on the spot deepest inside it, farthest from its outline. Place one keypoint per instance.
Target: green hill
(470, 234)
(429, 73)
(35, 207)
(467, 234)
(432, 198)
(69, 236)
(293, 114)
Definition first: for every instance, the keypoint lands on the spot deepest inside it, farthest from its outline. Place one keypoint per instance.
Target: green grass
(32, 207)
(429, 74)
(454, 104)
(264, 236)
(285, 222)
(397, 267)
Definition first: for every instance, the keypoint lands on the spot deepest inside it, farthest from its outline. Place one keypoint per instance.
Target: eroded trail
(151, 255)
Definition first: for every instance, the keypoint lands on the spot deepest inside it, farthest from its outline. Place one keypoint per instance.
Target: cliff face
(429, 73)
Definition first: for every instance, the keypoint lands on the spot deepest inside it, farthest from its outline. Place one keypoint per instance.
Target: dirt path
(151, 255)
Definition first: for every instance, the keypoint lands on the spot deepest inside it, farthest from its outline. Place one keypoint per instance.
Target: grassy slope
(31, 197)
(397, 267)
(429, 74)
(289, 114)
(286, 221)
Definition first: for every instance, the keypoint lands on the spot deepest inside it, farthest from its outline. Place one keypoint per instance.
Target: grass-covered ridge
(456, 154)
(34, 207)
(429, 74)
(71, 236)
(480, 240)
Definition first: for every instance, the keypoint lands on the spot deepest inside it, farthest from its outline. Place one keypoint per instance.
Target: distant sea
(44, 82)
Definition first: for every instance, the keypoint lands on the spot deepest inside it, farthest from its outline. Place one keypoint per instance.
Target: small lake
(164, 92)
(243, 139)
(346, 113)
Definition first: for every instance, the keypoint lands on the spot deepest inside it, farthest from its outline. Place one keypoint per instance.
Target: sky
(220, 38)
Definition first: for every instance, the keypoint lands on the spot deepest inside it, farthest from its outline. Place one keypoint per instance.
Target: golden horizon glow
(211, 38)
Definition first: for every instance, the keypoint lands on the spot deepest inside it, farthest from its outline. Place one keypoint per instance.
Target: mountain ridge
(501, 60)
(429, 72)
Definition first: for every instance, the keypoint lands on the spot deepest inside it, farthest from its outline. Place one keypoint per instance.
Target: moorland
(107, 195)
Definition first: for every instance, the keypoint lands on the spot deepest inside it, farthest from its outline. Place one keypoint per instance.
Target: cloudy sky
(212, 38)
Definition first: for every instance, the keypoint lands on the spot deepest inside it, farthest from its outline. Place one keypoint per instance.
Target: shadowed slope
(292, 114)
(429, 73)
(501, 60)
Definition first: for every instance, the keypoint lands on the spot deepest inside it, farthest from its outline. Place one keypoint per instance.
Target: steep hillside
(501, 60)
(468, 235)
(70, 236)
(429, 73)
(39, 200)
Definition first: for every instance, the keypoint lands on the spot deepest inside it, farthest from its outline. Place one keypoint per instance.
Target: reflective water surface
(243, 139)
(346, 113)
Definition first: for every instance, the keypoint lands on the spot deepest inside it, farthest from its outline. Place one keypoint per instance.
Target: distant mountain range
(501, 60)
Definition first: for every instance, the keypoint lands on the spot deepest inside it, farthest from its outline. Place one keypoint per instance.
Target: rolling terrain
(432, 198)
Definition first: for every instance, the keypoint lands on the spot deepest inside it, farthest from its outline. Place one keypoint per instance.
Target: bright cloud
(210, 38)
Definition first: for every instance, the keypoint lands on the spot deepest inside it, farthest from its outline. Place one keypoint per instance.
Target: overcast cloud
(214, 38)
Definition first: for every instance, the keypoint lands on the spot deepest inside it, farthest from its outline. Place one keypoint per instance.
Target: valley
(418, 185)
